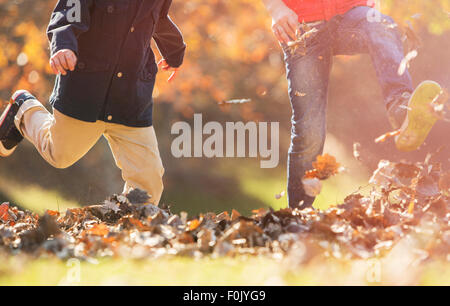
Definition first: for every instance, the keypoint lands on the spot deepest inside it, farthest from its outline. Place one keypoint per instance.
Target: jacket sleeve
(69, 19)
(169, 39)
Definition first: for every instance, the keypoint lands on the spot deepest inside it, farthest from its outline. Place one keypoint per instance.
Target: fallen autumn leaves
(409, 202)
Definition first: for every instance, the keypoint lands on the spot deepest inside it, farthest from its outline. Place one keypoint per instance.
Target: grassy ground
(226, 271)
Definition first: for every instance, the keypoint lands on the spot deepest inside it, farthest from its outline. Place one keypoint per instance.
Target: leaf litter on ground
(409, 201)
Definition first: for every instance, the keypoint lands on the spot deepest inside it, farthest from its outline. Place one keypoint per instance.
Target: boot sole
(420, 119)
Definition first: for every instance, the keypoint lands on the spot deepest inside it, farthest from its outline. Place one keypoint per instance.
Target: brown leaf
(259, 212)
(386, 136)
(205, 237)
(53, 213)
(138, 196)
(193, 224)
(4, 215)
(325, 166)
(100, 229)
(185, 238)
(234, 214)
(130, 222)
(223, 216)
(427, 186)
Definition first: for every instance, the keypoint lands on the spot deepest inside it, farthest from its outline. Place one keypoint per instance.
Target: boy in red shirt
(311, 32)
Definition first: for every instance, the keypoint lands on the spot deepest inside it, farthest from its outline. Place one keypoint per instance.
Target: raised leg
(60, 139)
(365, 30)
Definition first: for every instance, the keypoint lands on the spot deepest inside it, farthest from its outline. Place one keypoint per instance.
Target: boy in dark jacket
(100, 51)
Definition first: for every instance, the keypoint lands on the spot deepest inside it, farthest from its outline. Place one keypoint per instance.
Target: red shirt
(314, 10)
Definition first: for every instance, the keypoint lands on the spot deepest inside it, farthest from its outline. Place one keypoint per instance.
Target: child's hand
(165, 67)
(284, 23)
(62, 61)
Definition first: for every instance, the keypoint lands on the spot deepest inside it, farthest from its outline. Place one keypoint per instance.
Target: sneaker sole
(3, 151)
(420, 119)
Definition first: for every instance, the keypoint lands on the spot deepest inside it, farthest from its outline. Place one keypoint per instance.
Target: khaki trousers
(62, 140)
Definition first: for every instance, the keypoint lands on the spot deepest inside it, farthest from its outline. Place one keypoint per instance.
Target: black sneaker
(397, 111)
(10, 136)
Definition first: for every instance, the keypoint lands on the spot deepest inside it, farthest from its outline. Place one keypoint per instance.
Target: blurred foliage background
(231, 54)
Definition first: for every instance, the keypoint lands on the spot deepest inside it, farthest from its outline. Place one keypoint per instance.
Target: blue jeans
(308, 72)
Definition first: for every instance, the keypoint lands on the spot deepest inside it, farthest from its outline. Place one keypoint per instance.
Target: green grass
(189, 272)
(179, 271)
(34, 197)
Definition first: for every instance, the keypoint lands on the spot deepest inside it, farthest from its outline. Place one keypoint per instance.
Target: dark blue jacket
(115, 74)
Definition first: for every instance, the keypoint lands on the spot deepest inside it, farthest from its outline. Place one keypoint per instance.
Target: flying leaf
(404, 64)
(325, 166)
(312, 186)
(356, 151)
(386, 136)
(235, 101)
(280, 195)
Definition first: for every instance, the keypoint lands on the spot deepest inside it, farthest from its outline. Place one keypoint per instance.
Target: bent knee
(62, 164)
(370, 18)
(61, 161)
(380, 24)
